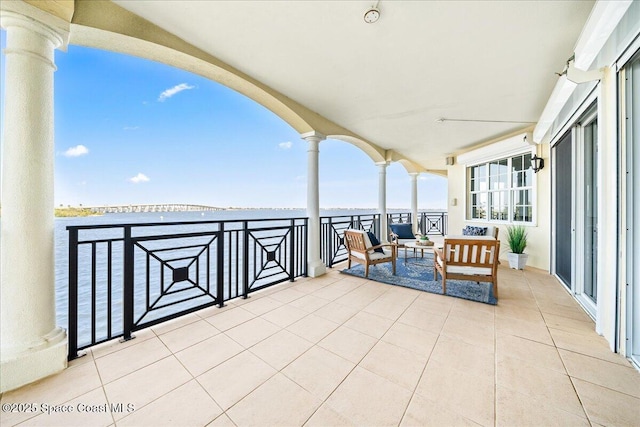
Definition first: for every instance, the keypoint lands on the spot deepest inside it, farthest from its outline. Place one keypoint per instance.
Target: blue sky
(129, 130)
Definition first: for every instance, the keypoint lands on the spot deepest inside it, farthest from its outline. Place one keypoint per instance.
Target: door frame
(586, 114)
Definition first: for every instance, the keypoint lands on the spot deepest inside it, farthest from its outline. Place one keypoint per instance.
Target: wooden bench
(467, 259)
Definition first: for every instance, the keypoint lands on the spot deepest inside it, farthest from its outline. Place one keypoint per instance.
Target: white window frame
(509, 189)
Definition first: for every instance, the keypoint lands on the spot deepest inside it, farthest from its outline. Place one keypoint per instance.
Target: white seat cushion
(373, 256)
(403, 241)
(458, 269)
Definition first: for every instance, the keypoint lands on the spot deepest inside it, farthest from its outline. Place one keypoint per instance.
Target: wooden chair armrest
(382, 245)
(394, 247)
(438, 252)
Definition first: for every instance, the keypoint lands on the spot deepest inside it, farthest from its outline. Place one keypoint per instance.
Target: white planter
(517, 261)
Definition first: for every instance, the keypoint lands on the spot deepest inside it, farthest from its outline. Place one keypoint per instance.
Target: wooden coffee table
(414, 246)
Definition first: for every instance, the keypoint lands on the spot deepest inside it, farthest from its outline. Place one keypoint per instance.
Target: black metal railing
(433, 223)
(123, 278)
(332, 247)
(430, 223)
(126, 277)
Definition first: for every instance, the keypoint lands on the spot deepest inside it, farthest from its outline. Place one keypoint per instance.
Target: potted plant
(517, 239)
(423, 239)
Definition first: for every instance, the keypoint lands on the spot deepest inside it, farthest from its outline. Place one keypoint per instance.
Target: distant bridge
(162, 207)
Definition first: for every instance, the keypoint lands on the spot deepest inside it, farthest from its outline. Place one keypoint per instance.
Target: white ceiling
(389, 81)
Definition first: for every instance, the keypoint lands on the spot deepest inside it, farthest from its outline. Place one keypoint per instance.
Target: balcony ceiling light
(372, 14)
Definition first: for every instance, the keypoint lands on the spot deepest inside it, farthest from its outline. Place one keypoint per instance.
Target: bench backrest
(471, 253)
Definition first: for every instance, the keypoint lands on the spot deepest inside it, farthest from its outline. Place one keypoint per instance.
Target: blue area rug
(417, 273)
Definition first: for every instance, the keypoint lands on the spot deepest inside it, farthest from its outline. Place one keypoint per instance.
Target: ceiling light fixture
(372, 14)
(442, 120)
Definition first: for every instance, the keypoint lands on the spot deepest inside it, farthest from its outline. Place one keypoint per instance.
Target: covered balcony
(341, 351)
(472, 91)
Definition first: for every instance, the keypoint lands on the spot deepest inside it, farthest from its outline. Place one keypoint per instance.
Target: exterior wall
(539, 244)
(611, 295)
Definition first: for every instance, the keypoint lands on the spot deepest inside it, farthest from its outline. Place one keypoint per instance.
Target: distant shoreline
(238, 208)
(85, 211)
(74, 212)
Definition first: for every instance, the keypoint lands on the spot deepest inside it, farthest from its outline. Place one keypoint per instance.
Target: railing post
(220, 266)
(425, 224)
(128, 305)
(305, 247)
(329, 243)
(245, 259)
(292, 253)
(444, 224)
(73, 295)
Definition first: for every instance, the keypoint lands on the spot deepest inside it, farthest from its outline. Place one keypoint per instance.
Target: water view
(179, 271)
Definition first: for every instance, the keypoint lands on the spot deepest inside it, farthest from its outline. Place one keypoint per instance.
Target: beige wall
(539, 242)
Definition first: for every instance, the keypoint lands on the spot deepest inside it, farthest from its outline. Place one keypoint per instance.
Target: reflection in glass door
(576, 210)
(563, 159)
(631, 116)
(590, 236)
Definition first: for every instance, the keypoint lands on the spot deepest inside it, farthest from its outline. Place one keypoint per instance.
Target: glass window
(502, 190)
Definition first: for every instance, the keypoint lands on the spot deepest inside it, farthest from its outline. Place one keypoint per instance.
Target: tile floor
(339, 350)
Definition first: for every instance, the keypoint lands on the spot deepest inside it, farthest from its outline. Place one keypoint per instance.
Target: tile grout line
(424, 369)
(584, 410)
(495, 367)
(356, 364)
(280, 371)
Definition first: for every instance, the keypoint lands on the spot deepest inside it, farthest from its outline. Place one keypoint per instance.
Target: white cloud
(131, 127)
(174, 90)
(300, 178)
(77, 151)
(139, 178)
(285, 145)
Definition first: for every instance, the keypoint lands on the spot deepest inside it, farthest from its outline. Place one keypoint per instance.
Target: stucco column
(414, 200)
(382, 200)
(315, 267)
(607, 206)
(31, 346)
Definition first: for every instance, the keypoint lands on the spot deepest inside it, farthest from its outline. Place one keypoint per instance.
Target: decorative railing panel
(431, 223)
(332, 246)
(123, 278)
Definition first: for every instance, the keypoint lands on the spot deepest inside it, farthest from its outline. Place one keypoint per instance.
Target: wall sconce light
(537, 163)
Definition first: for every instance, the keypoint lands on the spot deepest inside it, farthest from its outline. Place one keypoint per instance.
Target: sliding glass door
(631, 127)
(575, 171)
(590, 211)
(563, 212)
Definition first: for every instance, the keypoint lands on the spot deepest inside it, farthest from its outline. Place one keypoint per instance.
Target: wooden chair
(361, 251)
(467, 259)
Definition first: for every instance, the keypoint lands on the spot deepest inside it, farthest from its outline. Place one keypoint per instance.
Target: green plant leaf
(517, 238)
